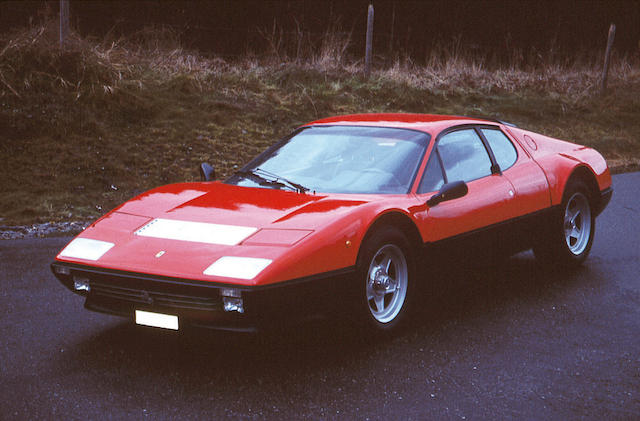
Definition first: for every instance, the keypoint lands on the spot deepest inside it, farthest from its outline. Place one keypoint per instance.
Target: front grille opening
(150, 296)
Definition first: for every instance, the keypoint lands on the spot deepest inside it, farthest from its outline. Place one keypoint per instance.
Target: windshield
(339, 159)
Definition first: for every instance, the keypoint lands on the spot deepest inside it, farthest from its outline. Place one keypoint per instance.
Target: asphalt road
(515, 342)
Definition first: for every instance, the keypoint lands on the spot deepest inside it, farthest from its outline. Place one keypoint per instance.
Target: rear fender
(562, 167)
(560, 160)
(596, 164)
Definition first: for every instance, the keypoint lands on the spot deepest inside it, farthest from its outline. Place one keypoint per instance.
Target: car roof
(429, 123)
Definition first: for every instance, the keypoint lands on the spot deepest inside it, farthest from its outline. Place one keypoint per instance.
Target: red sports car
(338, 216)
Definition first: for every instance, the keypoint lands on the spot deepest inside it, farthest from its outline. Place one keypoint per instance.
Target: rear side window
(502, 148)
(464, 156)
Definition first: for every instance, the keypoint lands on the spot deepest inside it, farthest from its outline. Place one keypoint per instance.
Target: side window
(502, 148)
(464, 156)
(432, 179)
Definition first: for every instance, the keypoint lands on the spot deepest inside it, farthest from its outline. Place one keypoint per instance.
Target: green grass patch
(85, 129)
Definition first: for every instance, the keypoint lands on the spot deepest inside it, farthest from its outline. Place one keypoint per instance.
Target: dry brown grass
(85, 127)
(30, 59)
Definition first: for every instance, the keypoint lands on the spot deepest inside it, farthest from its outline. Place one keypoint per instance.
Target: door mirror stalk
(449, 191)
(207, 172)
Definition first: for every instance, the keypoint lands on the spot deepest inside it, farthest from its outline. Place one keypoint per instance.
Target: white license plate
(165, 321)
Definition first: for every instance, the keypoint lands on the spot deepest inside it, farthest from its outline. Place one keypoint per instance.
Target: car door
(529, 181)
(462, 154)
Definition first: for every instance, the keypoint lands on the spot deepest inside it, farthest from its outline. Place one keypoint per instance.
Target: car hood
(180, 230)
(229, 204)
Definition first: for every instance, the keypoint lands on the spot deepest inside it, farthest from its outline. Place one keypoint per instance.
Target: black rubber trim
(495, 168)
(205, 284)
(497, 225)
(494, 120)
(476, 129)
(605, 198)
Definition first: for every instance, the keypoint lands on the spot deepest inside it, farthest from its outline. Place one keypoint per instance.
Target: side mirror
(207, 172)
(449, 191)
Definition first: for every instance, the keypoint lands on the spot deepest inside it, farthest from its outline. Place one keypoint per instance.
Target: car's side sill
(506, 237)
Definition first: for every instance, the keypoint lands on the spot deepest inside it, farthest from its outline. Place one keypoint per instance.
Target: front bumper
(200, 304)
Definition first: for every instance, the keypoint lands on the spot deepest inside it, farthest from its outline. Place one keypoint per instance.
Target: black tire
(568, 240)
(385, 273)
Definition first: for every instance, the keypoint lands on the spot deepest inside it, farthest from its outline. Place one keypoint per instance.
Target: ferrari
(342, 216)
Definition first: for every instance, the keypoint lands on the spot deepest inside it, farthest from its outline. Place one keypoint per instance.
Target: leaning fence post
(64, 21)
(367, 54)
(607, 58)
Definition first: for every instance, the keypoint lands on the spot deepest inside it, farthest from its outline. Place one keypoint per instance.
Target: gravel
(48, 229)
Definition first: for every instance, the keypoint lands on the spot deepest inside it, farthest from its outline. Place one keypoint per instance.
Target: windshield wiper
(275, 180)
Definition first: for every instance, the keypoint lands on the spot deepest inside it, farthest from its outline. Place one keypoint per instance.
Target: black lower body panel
(605, 198)
(200, 304)
(492, 243)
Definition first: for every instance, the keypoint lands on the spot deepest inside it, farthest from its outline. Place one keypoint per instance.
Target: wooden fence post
(607, 58)
(393, 21)
(367, 54)
(64, 21)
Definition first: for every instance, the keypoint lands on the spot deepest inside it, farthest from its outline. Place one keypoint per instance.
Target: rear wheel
(385, 273)
(570, 236)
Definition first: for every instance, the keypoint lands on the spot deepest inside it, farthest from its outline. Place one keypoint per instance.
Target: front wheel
(385, 270)
(571, 233)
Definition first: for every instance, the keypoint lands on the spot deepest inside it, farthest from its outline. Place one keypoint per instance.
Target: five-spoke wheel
(385, 271)
(569, 237)
(577, 223)
(387, 283)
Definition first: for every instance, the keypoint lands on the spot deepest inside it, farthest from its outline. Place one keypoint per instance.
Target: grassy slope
(84, 130)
